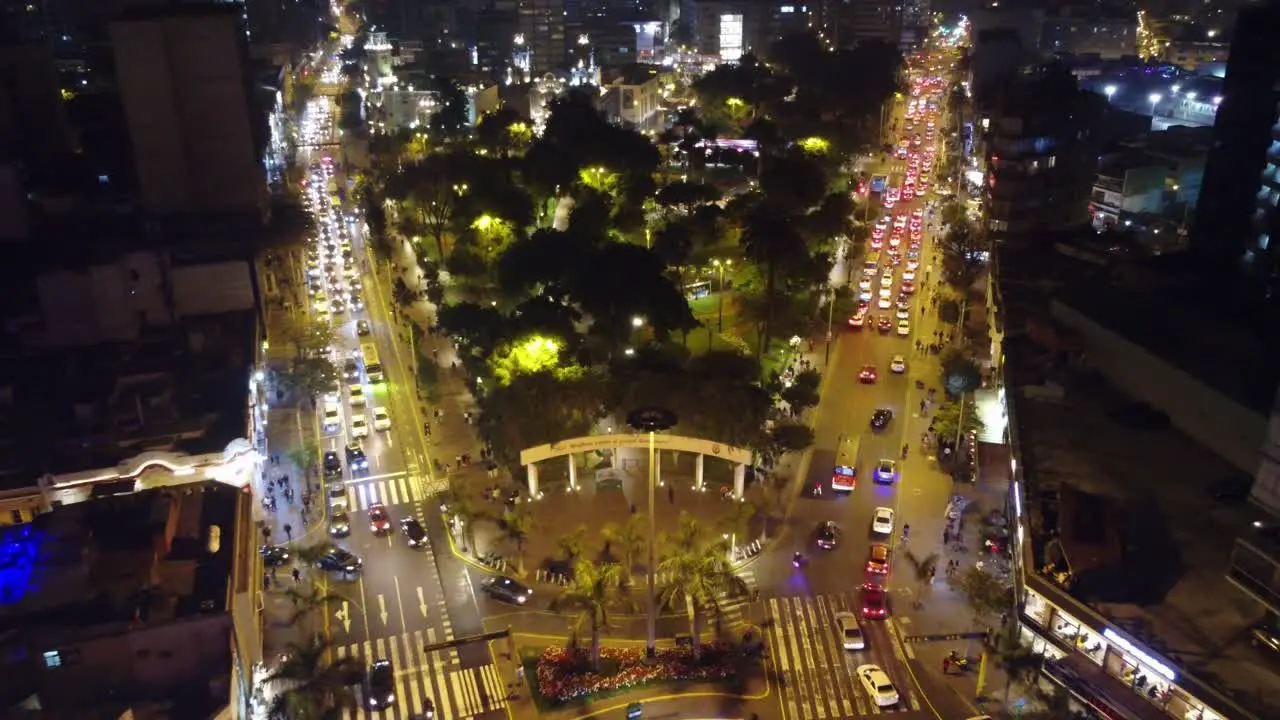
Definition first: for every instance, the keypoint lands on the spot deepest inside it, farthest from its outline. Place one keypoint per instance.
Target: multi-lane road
(406, 599)
(816, 678)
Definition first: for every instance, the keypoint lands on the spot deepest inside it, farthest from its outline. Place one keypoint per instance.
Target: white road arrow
(343, 614)
(382, 609)
(422, 603)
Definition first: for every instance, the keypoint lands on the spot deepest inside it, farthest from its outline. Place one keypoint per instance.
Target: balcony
(1256, 572)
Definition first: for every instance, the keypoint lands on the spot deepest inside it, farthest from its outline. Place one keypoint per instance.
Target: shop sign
(1142, 657)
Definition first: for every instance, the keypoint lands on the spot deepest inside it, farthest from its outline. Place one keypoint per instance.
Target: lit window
(1263, 241)
(52, 659)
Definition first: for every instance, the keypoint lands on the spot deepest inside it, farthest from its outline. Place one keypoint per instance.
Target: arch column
(657, 468)
(697, 473)
(573, 473)
(739, 480)
(532, 470)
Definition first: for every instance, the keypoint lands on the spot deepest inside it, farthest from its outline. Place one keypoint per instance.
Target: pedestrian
(288, 531)
(266, 581)
(671, 494)
(946, 665)
(297, 576)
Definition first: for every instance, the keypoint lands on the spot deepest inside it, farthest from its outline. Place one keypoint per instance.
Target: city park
(607, 290)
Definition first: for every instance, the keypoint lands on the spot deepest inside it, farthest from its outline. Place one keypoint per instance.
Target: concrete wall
(1210, 418)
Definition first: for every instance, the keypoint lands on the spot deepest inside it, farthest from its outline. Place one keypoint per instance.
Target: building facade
(1127, 184)
(1238, 216)
(1087, 32)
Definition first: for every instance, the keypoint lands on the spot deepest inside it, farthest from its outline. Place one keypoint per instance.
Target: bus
(372, 367)
(844, 476)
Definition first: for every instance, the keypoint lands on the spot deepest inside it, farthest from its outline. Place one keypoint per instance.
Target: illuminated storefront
(731, 46)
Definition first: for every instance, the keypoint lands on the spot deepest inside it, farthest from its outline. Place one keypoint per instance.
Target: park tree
(963, 256)
(950, 420)
(309, 336)
(683, 197)
(503, 133)
(733, 94)
(831, 220)
(802, 393)
(478, 329)
(451, 120)
(311, 375)
(539, 408)
(771, 240)
(795, 183)
(433, 192)
(786, 437)
(960, 374)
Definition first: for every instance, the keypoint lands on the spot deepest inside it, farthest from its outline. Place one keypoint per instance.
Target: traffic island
(564, 677)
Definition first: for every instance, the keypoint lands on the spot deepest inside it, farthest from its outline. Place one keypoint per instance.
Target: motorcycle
(797, 560)
(958, 661)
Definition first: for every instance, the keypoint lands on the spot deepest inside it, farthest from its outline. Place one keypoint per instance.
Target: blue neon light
(19, 550)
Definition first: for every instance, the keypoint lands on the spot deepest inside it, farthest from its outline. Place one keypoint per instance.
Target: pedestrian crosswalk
(735, 608)
(395, 489)
(815, 673)
(422, 678)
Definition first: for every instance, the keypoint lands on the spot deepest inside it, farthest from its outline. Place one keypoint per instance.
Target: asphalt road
(401, 602)
(814, 675)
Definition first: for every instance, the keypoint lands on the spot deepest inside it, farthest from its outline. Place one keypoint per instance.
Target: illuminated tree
(525, 356)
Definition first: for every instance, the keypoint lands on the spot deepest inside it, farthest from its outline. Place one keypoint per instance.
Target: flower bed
(565, 674)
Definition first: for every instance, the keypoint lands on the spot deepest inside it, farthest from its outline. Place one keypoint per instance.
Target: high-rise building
(186, 92)
(871, 20)
(1238, 219)
(541, 26)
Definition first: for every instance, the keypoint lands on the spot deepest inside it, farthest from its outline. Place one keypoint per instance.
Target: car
(886, 471)
(339, 520)
(504, 588)
(884, 303)
(379, 519)
(844, 478)
(902, 313)
(878, 685)
(359, 426)
(884, 325)
(904, 328)
(414, 534)
(851, 637)
(908, 275)
(332, 417)
(898, 365)
(380, 685)
(827, 535)
(357, 395)
(880, 419)
(908, 288)
(381, 420)
(274, 555)
(362, 328)
(867, 374)
(340, 560)
(332, 465)
(878, 559)
(356, 457)
(875, 601)
(864, 284)
(355, 301)
(886, 280)
(351, 369)
(882, 521)
(857, 320)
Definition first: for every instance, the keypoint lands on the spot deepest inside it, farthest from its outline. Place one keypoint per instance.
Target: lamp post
(651, 420)
(720, 268)
(1109, 91)
(1155, 99)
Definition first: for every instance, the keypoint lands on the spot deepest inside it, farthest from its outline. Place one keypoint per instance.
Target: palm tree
(317, 689)
(923, 569)
(771, 240)
(738, 523)
(688, 536)
(593, 592)
(572, 544)
(1018, 662)
(701, 576)
(627, 541)
(304, 458)
(306, 602)
(515, 530)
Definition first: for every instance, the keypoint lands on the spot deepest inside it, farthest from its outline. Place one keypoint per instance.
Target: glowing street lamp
(1217, 100)
(721, 266)
(1191, 94)
(1155, 99)
(652, 420)
(1109, 91)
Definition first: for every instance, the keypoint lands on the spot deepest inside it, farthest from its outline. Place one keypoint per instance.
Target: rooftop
(1150, 486)
(81, 409)
(106, 565)
(1195, 337)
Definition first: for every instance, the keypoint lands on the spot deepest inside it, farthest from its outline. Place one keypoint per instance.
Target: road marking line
(493, 681)
(392, 490)
(398, 669)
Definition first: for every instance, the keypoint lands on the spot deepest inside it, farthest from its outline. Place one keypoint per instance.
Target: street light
(720, 268)
(652, 420)
(1109, 91)
(1154, 98)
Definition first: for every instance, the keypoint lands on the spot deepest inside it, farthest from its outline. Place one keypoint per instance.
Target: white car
(898, 364)
(359, 426)
(864, 284)
(908, 275)
(332, 417)
(884, 303)
(882, 521)
(904, 328)
(850, 632)
(878, 685)
(357, 395)
(886, 280)
(903, 313)
(381, 420)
